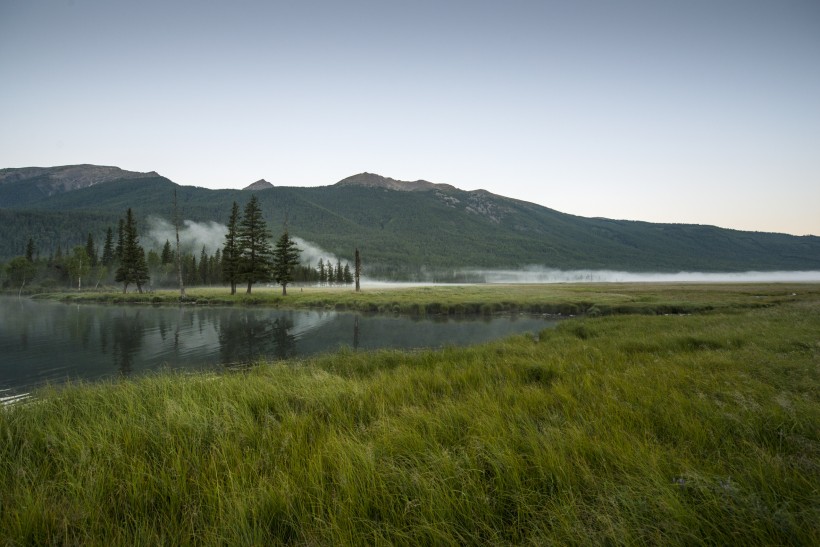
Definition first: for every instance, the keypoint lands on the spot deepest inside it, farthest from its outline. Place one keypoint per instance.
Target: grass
(563, 299)
(696, 429)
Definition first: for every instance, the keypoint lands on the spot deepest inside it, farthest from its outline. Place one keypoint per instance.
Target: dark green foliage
(91, 250)
(231, 255)
(20, 271)
(338, 275)
(119, 249)
(358, 269)
(78, 265)
(285, 260)
(203, 267)
(254, 242)
(108, 249)
(30, 250)
(133, 266)
(167, 256)
(320, 270)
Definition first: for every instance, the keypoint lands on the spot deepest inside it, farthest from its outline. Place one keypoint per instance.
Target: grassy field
(621, 429)
(564, 299)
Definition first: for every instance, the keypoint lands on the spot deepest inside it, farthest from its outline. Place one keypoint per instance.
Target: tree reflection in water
(245, 336)
(127, 332)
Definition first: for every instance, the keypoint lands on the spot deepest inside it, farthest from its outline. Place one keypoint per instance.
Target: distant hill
(29, 185)
(404, 228)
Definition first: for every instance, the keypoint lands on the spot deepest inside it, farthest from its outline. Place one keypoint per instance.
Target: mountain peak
(66, 178)
(372, 180)
(260, 184)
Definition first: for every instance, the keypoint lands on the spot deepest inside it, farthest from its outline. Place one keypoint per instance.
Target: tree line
(248, 256)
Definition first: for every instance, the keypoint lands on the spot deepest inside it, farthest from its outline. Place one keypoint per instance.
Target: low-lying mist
(211, 235)
(311, 253)
(192, 235)
(547, 275)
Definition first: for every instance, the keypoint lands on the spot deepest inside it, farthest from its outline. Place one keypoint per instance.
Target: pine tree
(348, 277)
(254, 242)
(133, 266)
(285, 259)
(203, 267)
(339, 276)
(167, 255)
(30, 250)
(119, 249)
(357, 269)
(320, 269)
(215, 268)
(231, 255)
(108, 248)
(190, 270)
(91, 250)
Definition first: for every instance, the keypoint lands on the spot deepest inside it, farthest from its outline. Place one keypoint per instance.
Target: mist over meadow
(536, 274)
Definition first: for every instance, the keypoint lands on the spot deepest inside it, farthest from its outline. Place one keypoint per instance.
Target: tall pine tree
(167, 255)
(285, 259)
(231, 255)
(108, 248)
(357, 269)
(91, 250)
(30, 250)
(133, 267)
(254, 242)
(119, 249)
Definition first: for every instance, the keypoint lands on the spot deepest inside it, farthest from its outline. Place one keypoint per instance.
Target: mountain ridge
(403, 232)
(66, 178)
(372, 180)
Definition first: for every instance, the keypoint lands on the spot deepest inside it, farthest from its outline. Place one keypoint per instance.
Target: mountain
(370, 180)
(19, 187)
(404, 228)
(260, 184)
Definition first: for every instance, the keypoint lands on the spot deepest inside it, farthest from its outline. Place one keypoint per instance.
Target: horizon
(695, 113)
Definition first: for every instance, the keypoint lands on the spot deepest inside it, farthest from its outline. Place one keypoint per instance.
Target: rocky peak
(372, 180)
(65, 178)
(260, 184)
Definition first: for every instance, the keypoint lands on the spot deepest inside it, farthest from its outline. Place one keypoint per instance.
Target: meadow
(590, 299)
(671, 415)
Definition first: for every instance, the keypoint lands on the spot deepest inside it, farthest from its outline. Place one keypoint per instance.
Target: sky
(696, 111)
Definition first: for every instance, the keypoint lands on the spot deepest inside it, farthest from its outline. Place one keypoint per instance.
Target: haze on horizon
(697, 112)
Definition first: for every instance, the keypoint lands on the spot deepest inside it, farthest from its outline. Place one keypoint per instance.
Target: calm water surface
(52, 342)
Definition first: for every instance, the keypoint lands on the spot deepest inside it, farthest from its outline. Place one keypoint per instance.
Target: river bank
(553, 299)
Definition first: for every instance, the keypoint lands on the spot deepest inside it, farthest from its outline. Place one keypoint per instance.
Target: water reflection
(128, 332)
(51, 342)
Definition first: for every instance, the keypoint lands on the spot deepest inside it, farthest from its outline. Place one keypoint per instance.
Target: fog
(192, 235)
(311, 253)
(546, 275)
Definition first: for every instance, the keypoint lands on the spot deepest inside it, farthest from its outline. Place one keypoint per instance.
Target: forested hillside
(404, 232)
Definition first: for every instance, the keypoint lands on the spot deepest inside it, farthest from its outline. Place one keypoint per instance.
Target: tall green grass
(697, 429)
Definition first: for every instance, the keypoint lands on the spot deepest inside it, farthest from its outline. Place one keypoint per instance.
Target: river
(50, 342)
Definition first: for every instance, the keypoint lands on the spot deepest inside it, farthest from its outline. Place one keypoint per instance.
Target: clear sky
(695, 111)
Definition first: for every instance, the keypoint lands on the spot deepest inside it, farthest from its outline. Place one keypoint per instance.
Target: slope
(404, 231)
